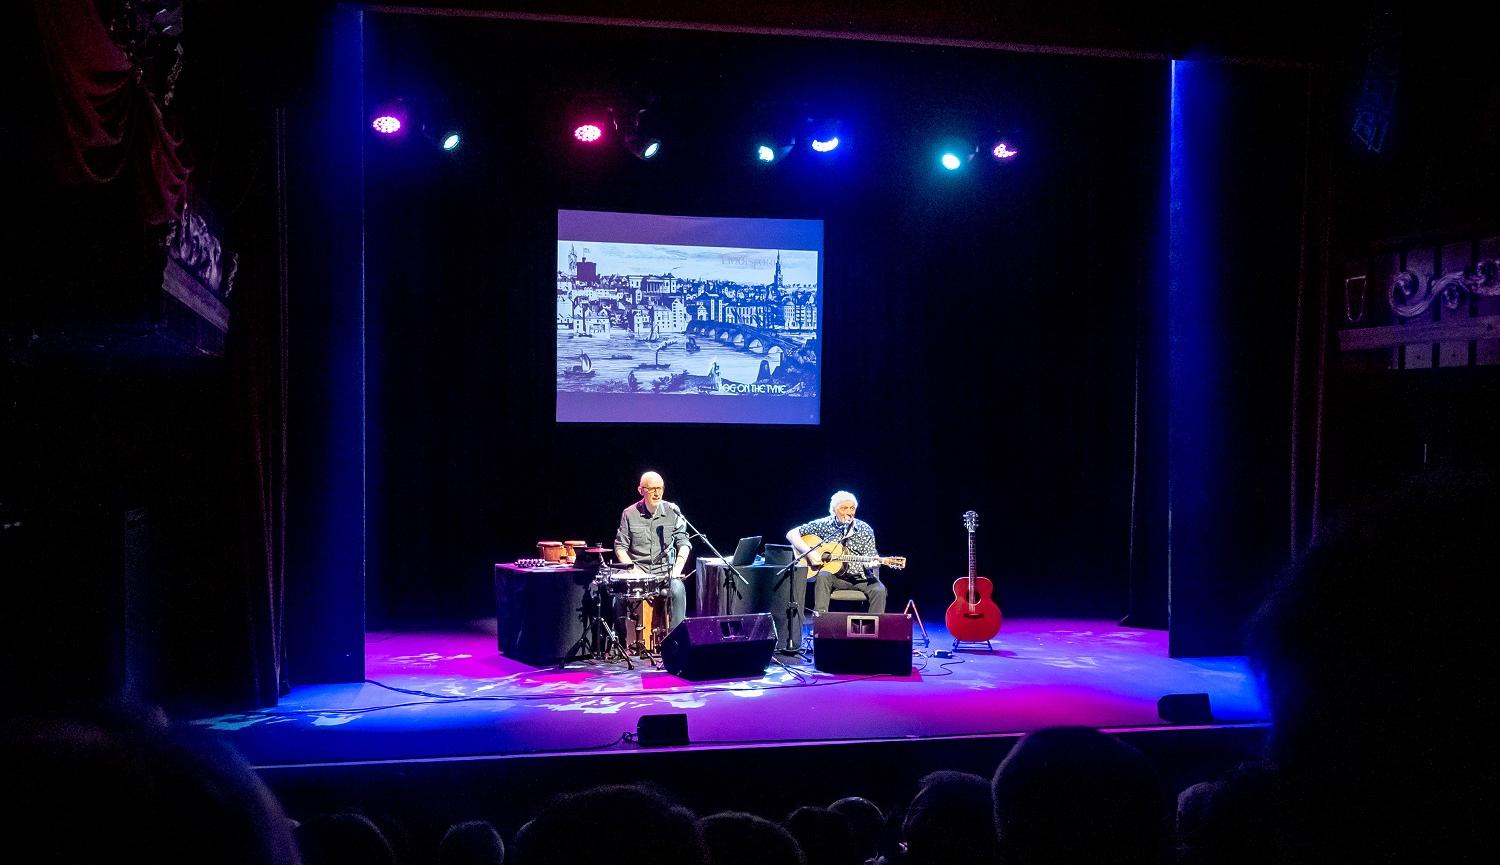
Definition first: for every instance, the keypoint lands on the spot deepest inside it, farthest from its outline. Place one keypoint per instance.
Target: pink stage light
(588, 133)
(386, 124)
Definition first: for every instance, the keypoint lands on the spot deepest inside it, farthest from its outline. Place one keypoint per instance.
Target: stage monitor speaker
(661, 731)
(720, 647)
(1184, 709)
(862, 643)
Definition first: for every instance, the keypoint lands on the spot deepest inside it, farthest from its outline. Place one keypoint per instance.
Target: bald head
(652, 488)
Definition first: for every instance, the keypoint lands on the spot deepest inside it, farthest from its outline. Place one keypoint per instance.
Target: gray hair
(841, 496)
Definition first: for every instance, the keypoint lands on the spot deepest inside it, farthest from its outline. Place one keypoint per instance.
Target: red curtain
(111, 128)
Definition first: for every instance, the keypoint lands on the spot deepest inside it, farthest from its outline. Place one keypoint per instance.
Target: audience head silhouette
(824, 836)
(343, 839)
(1074, 796)
(471, 843)
(118, 786)
(950, 821)
(590, 826)
(1372, 638)
(865, 820)
(737, 838)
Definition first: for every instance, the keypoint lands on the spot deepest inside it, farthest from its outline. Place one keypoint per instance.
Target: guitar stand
(911, 613)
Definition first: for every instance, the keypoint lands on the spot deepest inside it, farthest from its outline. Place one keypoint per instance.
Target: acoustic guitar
(830, 556)
(973, 617)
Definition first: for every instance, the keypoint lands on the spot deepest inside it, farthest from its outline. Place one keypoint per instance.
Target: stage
(443, 695)
(446, 729)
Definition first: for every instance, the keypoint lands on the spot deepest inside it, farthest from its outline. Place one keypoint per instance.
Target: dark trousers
(826, 583)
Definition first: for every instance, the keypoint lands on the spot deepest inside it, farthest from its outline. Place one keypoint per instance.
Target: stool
(839, 600)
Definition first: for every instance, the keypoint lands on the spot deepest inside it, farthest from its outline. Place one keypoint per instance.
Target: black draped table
(761, 595)
(540, 612)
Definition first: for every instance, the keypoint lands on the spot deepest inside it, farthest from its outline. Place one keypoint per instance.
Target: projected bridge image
(734, 322)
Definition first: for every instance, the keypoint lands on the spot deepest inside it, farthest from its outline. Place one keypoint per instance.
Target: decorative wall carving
(1442, 305)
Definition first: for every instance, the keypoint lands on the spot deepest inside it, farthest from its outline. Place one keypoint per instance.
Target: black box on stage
(661, 731)
(862, 643)
(1184, 709)
(719, 647)
(779, 555)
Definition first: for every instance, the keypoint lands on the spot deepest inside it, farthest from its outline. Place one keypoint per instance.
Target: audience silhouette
(950, 821)
(474, 842)
(1076, 796)
(737, 838)
(123, 785)
(620, 824)
(824, 836)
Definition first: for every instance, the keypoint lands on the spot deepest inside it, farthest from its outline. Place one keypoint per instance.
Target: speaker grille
(862, 643)
(720, 647)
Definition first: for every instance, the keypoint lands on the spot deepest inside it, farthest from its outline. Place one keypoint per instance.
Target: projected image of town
(671, 319)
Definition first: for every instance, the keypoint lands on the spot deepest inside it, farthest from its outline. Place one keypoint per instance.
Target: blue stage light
(451, 141)
(772, 148)
(825, 145)
(951, 161)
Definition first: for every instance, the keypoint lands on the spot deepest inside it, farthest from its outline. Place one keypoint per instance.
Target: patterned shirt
(858, 541)
(651, 540)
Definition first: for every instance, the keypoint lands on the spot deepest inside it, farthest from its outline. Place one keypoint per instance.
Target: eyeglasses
(653, 489)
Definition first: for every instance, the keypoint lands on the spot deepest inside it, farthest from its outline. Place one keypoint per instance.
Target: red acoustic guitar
(972, 617)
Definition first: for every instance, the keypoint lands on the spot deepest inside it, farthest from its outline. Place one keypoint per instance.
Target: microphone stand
(731, 573)
(793, 642)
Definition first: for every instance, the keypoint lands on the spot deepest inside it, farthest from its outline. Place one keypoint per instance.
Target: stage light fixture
(588, 133)
(389, 119)
(953, 154)
(642, 148)
(770, 150)
(634, 135)
(451, 141)
(1003, 151)
(824, 135)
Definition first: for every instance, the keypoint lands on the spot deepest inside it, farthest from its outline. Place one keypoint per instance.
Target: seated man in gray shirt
(653, 539)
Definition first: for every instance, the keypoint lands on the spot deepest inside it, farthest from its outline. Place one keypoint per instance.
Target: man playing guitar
(859, 570)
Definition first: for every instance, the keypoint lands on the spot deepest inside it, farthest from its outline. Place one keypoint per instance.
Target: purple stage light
(588, 133)
(1004, 151)
(386, 124)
